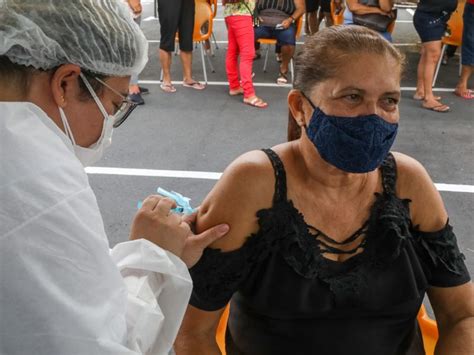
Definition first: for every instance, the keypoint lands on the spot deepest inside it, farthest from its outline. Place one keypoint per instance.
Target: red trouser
(241, 43)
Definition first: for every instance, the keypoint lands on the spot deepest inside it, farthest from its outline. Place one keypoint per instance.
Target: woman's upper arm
(427, 208)
(452, 304)
(245, 187)
(386, 5)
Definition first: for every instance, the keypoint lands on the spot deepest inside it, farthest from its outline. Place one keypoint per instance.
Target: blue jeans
(284, 37)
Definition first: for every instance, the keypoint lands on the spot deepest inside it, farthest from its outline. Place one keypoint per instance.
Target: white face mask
(90, 155)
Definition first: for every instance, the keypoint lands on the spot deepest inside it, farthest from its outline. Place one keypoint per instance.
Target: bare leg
(286, 53)
(461, 87)
(187, 62)
(328, 17)
(312, 22)
(165, 60)
(432, 54)
(420, 87)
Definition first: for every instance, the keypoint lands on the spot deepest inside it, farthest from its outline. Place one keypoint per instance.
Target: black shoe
(136, 98)
(143, 90)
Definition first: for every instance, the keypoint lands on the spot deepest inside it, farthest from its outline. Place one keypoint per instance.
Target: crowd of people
(247, 21)
(335, 255)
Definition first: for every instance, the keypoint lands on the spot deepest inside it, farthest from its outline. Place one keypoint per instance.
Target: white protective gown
(62, 290)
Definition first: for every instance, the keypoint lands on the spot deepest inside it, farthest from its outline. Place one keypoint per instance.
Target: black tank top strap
(389, 174)
(280, 175)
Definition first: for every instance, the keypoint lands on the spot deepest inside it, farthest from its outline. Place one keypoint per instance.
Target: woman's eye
(390, 101)
(353, 97)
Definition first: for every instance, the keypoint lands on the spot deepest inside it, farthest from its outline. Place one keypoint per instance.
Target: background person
(241, 51)
(134, 91)
(430, 21)
(467, 52)
(62, 290)
(177, 16)
(336, 240)
(283, 13)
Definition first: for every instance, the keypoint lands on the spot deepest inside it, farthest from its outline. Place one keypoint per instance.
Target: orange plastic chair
(339, 18)
(272, 41)
(221, 328)
(429, 329)
(455, 26)
(428, 326)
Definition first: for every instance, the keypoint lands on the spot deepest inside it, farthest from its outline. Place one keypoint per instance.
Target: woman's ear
(296, 106)
(64, 84)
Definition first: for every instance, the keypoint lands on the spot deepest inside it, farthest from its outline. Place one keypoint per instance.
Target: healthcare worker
(64, 74)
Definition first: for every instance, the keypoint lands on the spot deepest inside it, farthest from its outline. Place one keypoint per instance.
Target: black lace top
(287, 298)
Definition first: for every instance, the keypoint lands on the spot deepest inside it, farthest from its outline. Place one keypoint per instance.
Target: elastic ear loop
(94, 96)
(66, 126)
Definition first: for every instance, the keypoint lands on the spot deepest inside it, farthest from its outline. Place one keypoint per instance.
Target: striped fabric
(287, 6)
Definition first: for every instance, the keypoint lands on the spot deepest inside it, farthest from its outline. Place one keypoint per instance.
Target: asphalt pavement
(180, 141)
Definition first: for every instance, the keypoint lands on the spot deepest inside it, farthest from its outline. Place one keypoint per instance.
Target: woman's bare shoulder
(246, 186)
(414, 183)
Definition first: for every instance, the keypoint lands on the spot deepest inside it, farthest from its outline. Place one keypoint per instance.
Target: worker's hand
(156, 223)
(136, 6)
(195, 244)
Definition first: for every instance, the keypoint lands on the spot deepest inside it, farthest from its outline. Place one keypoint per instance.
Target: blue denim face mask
(352, 144)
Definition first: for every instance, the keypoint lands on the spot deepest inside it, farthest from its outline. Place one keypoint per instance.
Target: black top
(286, 6)
(437, 6)
(289, 299)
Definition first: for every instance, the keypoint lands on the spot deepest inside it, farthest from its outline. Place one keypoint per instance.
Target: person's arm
(454, 311)
(453, 306)
(244, 188)
(386, 5)
(299, 11)
(360, 9)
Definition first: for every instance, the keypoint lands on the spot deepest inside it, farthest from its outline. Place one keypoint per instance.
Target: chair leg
(161, 75)
(460, 64)
(215, 40)
(266, 58)
(210, 62)
(292, 69)
(155, 8)
(438, 65)
(203, 62)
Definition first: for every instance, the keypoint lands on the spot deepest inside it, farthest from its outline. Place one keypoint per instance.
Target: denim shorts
(467, 49)
(430, 26)
(283, 37)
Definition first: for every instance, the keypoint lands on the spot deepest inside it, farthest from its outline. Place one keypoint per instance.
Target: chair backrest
(455, 25)
(202, 15)
(339, 18)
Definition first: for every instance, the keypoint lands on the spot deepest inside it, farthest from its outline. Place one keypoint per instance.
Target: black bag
(377, 22)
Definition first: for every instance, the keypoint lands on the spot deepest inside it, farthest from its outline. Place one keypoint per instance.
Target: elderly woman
(334, 240)
(65, 68)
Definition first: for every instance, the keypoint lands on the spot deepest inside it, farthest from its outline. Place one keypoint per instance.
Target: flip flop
(196, 85)
(256, 102)
(282, 78)
(438, 108)
(169, 88)
(468, 95)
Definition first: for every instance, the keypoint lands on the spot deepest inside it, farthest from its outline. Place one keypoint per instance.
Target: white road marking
(204, 175)
(300, 43)
(274, 85)
(411, 11)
